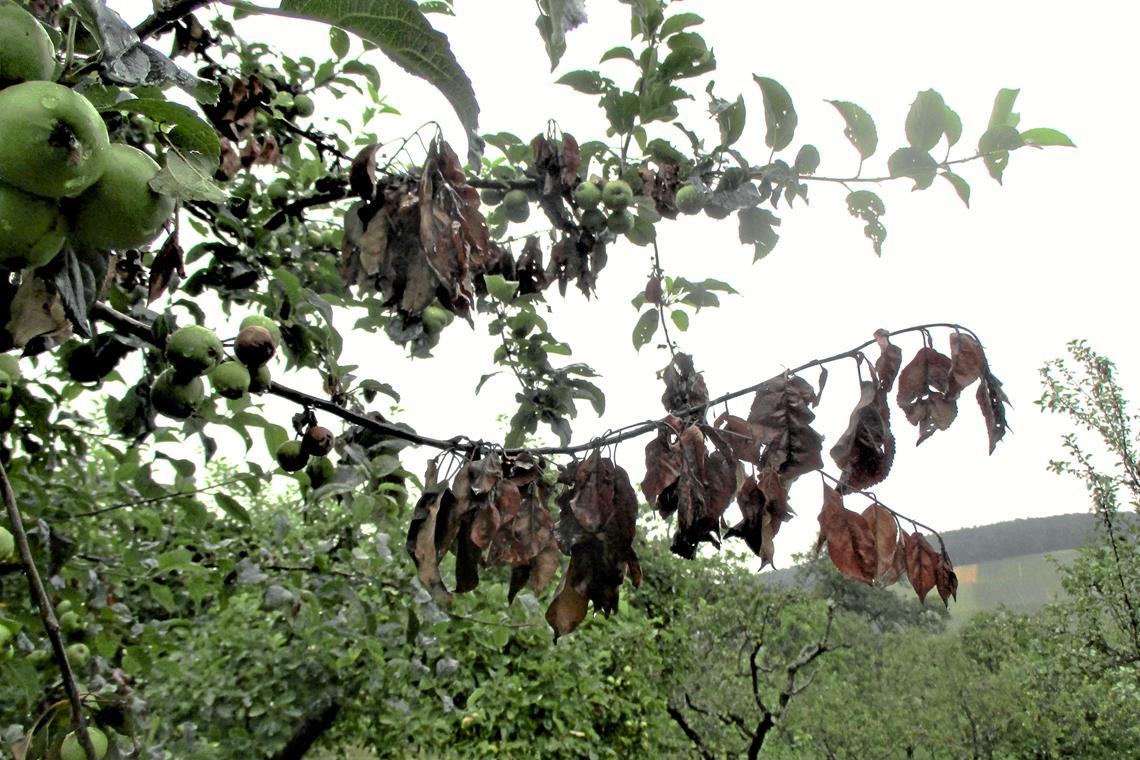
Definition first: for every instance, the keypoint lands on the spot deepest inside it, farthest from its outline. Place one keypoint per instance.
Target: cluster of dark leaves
(496, 512)
(234, 116)
(871, 547)
(695, 470)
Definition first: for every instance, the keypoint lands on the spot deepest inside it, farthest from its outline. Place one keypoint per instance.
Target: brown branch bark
(47, 615)
(307, 732)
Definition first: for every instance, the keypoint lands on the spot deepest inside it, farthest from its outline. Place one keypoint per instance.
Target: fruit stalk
(47, 614)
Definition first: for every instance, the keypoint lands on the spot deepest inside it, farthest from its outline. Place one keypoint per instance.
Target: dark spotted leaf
(866, 449)
(992, 400)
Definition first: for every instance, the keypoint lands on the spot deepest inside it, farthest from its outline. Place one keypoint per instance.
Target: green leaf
(1043, 136)
(807, 160)
(500, 288)
(400, 30)
(860, 129)
(995, 144)
(731, 119)
(757, 227)
(188, 177)
(339, 42)
(680, 319)
(916, 164)
(681, 21)
(275, 435)
(779, 114)
(184, 128)
(621, 109)
(231, 507)
(643, 232)
(866, 205)
(952, 126)
(1002, 114)
(925, 122)
(621, 52)
(556, 17)
(961, 186)
(645, 328)
(583, 80)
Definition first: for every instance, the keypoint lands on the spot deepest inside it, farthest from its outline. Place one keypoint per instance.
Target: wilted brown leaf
(424, 543)
(967, 362)
(850, 543)
(885, 531)
(921, 564)
(922, 395)
(662, 461)
(167, 262)
(946, 580)
(738, 434)
(781, 419)
(362, 174)
(866, 449)
(992, 400)
(684, 386)
(889, 361)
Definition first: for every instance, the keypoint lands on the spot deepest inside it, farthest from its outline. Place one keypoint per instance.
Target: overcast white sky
(1044, 259)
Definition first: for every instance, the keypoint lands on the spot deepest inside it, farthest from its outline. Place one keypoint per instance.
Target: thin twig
(47, 615)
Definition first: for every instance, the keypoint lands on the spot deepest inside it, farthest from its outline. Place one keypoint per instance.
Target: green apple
(230, 379)
(193, 350)
(70, 622)
(516, 206)
(78, 654)
(11, 365)
(617, 194)
(594, 220)
(492, 196)
(32, 229)
(620, 221)
(689, 200)
(260, 320)
(292, 456)
(587, 195)
(7, 545)
(5, 642)
(26, 50)
(54, 140)
(260, 379)
(320, 471)
(5, 387)
(121, 211)
(71, 749)
(304, 105)
(176, 399)
(435, 318)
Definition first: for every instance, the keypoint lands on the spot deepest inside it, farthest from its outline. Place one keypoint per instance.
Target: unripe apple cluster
(194, 352)
(10, 376)
(60, 176)
(316, 444)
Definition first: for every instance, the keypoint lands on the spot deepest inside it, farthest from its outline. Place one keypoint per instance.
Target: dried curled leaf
(992, 399)
(850, 542)
(921, 564)
(866, 449)
(924, 393)
(781, 419)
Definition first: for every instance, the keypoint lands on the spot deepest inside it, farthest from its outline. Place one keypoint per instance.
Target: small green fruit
(318, 441)
(632, 176)
(261, 320)
(516, 206)
(260, 379)
(78, 654)
(6, 387)
(26, 51)
(435, 318)
(121, 211)
(54, 140)
(38, 658)
(587, 195)
(7, 545)
(594, 220)
(617, 194)
(63, 607)
(278, 190)
(304, 105)
(492, 196)
(320, 471)
(291, 456)
(71, 749)
(193, 350)
(254, 346)
(11, 365)
(230, 379)
(689, 200)
(5, 642)
(32, 229)
(620, 222)
(175, 399)
(70, 622)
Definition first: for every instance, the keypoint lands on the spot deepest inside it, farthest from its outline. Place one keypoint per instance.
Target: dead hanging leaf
(946, 580)
(992, 400)
(763, 503)
(921, 564)
(781, 419)
(822, 384)
(37, 314)
(866, 449)
(898, 563)
(663, 189)
(570, 161)
(885, 531)
(578, 256)
(362, 174)
(924, 385)
(653, 289)
(850, 543)
(967, 362)
(167, 263)
(738, 434)
(550, 173)
(427, 542)
(889, 361)
(529, 270)
(662, 461)
(684, 386)
(601, 556)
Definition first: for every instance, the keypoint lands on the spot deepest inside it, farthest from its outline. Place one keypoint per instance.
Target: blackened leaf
(662, 460)
(167, 263)
(737, 433)
(946, 580)
(684, 386)
(992, 400)
(78, 277)
(866, 449)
